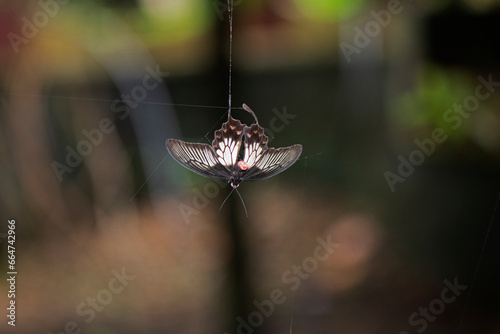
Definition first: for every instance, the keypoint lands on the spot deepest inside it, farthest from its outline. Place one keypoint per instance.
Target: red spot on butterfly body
(243, 165)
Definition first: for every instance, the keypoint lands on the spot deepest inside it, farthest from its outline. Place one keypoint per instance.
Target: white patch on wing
(252, 154)
(227, 153)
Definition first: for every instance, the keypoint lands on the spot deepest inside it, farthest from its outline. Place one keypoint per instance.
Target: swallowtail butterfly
(225, 158)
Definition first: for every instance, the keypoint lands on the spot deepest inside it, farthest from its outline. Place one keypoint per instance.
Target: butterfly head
(235, 180)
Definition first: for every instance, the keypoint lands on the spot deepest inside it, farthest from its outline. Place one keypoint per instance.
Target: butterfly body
(236, 177)
(234, 140)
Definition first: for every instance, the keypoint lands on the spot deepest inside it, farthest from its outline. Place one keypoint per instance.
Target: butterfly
(226, 159)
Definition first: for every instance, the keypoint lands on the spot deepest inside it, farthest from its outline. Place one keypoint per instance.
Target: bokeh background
(90, 91)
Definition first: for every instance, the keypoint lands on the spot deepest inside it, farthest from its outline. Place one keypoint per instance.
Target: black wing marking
(227, 142)
(199, 158)
(273, 161)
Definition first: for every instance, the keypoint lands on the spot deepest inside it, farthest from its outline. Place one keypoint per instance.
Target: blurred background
(397, 106)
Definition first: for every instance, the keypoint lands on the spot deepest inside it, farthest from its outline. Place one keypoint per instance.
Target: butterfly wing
(216, 160)
(264, 162)
(255, 144)
(227, 142)
(273, 161)
(199, 158)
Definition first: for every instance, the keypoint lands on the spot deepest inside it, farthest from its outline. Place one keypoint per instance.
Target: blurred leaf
(436, 90)
(328, 9)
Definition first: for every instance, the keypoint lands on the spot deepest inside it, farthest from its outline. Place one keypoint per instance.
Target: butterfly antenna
(226, 199)
(230, 12)
(242, 202)
(247, 109)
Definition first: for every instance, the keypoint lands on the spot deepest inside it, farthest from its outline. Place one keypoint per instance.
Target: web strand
(93, 99)
(230, 12)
